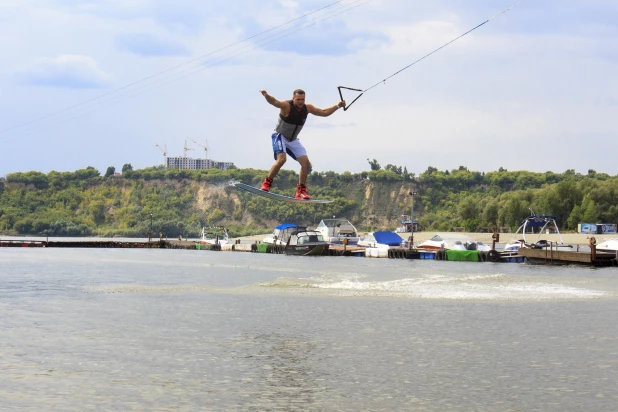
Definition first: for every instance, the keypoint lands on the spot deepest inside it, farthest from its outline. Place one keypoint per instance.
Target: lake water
(118, 329)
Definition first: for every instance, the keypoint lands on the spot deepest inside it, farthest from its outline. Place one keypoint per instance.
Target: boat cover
(388, 238)
(285, 226)
(462, 255)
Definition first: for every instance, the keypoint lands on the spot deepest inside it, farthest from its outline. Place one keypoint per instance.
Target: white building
(181, 162)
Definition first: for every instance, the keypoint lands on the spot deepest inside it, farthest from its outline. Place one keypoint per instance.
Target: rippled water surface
(105, 329)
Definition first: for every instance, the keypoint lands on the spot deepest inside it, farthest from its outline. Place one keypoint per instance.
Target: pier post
(412, 220)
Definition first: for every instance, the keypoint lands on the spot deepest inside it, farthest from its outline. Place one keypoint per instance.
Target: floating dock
(562, 257)
(545, 256)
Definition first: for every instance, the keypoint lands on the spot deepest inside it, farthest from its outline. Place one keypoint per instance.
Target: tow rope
(346, 107)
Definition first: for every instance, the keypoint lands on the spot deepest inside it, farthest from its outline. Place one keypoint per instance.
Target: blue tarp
(388, 238)
(285, 226)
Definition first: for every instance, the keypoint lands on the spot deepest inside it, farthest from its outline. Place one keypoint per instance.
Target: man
(292, 116)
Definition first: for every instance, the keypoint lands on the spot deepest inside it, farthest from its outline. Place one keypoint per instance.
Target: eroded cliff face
(378, 204)
(371, 205)
(130, 207)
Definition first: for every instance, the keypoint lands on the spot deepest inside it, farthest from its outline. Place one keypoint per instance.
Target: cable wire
(161, 81)
(441, 47)
(113, 94)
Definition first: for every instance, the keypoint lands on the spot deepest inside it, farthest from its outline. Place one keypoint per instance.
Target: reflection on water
(186, 330)
(285, 376)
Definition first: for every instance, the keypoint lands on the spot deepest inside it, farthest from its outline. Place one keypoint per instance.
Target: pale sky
(97, 83)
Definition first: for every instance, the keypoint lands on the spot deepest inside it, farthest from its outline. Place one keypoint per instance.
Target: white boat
(282, 233)
(214, 236)
(514, 245)
(544, 222)
(452, 241)
(335, 230)
(383, 240)
(608, 245)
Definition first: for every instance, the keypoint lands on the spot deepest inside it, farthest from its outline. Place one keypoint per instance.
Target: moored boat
(530, 224)
(306, 243)
(282, 233)
(383, 240)
(335, 230)
(608, 245)
(214, 236)
(452, 241)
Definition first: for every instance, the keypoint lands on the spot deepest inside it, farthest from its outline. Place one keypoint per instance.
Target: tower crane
(187, 148)
(202, 145)
(164, 150)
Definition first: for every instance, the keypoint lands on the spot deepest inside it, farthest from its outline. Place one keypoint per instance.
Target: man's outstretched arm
(277, 103)
(324, 112)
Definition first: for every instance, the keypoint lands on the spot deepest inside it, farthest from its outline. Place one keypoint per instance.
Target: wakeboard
(275, 196)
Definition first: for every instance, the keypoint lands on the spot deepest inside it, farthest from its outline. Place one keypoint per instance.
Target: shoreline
(567, 238)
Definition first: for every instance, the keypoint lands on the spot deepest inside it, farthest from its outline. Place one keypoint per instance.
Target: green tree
(85, 174)
(590, 211)
(490, 213)
(126, 167)
(468, 208)
(393, 168)
(575, 217)
(110, 171)
(374, 164)
(97, 211)
(513, 212)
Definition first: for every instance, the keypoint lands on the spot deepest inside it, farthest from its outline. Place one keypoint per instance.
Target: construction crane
(187, 148)
(204, 146)
(164, 150)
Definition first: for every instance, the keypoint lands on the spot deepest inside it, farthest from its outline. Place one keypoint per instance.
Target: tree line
(180, 202)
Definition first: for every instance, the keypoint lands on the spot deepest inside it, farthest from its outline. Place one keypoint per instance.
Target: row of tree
(181, 202)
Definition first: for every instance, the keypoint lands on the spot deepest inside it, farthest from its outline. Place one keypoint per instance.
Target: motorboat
(608, 245)
(529, 224)
(514, 245)
(335, 230)
(384, 240)
(452, 241)
(282, 233)
(306, 243)
(214, 236)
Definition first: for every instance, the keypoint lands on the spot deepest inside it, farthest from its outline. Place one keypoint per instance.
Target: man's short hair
(298, 91)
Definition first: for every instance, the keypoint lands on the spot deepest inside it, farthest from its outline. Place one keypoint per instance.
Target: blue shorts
(282, 145)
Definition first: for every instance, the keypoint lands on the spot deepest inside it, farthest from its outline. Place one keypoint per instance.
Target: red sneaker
(301, 192)
(266, 185)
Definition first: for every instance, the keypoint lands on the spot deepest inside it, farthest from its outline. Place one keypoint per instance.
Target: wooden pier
(549, 256)
(100, 244)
